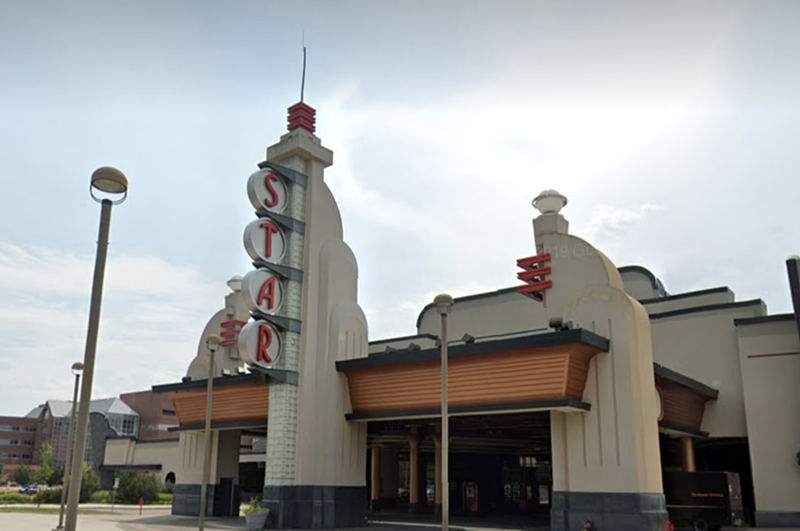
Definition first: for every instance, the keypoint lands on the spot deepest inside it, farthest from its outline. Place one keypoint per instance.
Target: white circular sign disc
(267, 190)
(263, 291)
(260, 344)
(264, 240)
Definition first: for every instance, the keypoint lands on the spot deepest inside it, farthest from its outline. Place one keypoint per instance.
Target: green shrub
(15, 497)
(48, 496)
(164, 498)
(23, 475)
(90, 483)
(101, 496)
(133, 485)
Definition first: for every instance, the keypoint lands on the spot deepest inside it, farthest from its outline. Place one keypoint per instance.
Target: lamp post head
(549, 202)
(212, 343)
(235, 283)
(109, 181)
(77, 368)
(444, 303)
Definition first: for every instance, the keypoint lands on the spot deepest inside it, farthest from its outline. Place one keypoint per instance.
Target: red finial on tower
(302, 115)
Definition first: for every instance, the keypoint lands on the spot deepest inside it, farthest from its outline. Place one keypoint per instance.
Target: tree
(90, 483)
(58, 475)
(133, 485)
(45, 474)
(23, 475)
(4, 477)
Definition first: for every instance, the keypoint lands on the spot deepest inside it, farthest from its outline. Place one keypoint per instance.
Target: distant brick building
(19, 437)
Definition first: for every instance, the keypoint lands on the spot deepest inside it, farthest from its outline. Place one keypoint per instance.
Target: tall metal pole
(68, 460)
(88, 366)
(207, 441)
(445, 433)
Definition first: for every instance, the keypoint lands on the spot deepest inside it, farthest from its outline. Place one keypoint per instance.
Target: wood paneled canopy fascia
(683, 401)
(239, 402)
(489, 345)
(523, 372)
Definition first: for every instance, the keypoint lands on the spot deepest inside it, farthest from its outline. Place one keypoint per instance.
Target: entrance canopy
(505, 374)
(239, 402)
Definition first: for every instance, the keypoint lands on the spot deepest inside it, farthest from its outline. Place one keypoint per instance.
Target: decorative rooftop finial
(302, 115)
(303, 82)
(549, 202)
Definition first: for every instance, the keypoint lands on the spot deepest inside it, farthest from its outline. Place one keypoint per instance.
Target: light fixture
(444, 303)
(77, 368)
(110, 181)
(549, 202)
(235, 283)
(212, 343)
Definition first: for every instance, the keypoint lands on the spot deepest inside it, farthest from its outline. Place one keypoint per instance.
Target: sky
(671, 127)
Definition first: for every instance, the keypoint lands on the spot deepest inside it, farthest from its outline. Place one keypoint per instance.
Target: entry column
(375, 479)
(687, 451)
(413, 470)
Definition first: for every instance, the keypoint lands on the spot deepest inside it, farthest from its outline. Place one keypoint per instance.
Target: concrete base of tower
(316, 507)
(607, 511)
(186, 500)
(778, 519)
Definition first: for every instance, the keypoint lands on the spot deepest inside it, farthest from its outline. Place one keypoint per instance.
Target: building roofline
(154, 466)
(471, 409)
(201, 384)
(778, 317)
(222, 425)
(680, 379)
(682, 429)
(687, 295)
(643, 270)
(403, 338)
(709, 308)
(548, 339)
(467, 298)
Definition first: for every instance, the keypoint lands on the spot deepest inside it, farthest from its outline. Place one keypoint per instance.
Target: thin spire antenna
(303, 82)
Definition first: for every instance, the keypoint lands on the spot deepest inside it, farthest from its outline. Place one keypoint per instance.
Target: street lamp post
(212, 344)
(77, 369)
(111, 182)
(444, 303)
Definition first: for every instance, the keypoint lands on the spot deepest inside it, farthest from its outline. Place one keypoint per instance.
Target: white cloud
(153, 313)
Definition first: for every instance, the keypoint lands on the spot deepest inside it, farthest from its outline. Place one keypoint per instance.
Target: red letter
(267, 293)
(264, 341)
(272, 195)
(271, 229)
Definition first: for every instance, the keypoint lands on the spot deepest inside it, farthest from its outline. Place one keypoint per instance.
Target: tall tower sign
(302, 298)
(271, 190)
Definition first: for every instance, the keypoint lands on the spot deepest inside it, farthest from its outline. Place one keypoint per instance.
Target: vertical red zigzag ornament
(533, 274)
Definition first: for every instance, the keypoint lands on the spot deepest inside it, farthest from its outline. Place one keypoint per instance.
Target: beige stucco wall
(402, 343)
(130, 452)
(329, 450)
(772, 402)
(119, 451)
(703, 345)
(670, 304)
(228, 458)
(502, 312)
(638, 285)
(614, 447)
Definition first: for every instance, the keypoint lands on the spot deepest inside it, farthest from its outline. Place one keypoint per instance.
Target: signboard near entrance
(260, 344)
(260, 341)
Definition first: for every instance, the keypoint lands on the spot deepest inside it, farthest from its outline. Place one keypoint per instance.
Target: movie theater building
(568, 394)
